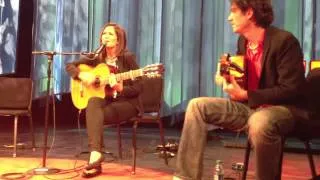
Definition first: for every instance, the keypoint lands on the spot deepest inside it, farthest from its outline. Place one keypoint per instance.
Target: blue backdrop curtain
(187, 36)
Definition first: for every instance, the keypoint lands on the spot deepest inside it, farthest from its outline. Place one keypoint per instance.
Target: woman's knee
(96, 102)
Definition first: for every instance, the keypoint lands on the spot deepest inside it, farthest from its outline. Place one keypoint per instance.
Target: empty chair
(16, 100)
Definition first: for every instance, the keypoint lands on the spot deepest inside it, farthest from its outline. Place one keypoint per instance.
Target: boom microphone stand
(50, 54)
(44, 170)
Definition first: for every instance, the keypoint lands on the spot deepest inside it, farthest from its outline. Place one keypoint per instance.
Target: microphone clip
(95, 54)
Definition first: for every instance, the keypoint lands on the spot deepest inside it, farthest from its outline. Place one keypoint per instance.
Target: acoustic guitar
(81, 92)
(233, 66)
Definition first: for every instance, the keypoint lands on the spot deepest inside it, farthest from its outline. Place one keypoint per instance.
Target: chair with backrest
(303, 131)
(16, 100)
(151, 99)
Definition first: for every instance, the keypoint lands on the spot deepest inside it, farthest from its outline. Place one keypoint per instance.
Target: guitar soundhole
(97, 82)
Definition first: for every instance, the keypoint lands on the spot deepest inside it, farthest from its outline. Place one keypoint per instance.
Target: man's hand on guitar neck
(235, 92)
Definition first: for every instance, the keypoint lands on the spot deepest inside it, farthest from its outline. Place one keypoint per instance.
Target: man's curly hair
(262, 10)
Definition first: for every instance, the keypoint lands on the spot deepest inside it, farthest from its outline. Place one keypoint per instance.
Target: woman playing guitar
(120, 101)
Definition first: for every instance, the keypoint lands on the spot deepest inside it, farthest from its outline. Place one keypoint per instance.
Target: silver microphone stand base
(44, 170)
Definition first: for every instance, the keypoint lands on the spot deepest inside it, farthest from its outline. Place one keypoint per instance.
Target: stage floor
(67, 142)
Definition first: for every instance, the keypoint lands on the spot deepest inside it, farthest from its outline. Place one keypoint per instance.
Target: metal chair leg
(310, 158)
(15, 134)
(32, 132)
(246, 160)
(134, 146)
(278, 176)
(162, 140)
(119, 141)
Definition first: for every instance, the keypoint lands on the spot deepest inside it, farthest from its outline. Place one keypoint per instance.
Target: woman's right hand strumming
(87, 77)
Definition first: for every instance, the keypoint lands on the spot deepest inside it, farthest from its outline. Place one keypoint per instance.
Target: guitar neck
(129, 75)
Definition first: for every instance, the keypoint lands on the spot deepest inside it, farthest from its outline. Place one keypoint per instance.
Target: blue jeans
(265, 127)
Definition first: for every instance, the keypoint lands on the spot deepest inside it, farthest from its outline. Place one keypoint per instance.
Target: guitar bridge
(81, 90)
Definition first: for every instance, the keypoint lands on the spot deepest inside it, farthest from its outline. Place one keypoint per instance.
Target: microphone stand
(44, 170)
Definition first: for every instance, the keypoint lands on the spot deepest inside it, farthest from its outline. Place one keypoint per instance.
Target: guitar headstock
(225, 64)
(231, 63)
(232, 66)
(153, 70)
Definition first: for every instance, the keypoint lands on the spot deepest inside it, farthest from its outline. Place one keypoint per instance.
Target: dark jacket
(282, 76)
(126, 61)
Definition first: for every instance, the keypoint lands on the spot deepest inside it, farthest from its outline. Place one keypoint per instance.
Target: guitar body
(80, 93)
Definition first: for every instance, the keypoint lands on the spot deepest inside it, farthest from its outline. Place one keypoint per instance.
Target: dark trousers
(100, 112)
(265, 127)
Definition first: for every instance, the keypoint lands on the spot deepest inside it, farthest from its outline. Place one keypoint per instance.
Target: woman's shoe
(95, 164)
(93, 172)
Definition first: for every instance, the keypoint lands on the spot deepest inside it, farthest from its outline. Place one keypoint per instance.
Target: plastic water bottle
(219, 172)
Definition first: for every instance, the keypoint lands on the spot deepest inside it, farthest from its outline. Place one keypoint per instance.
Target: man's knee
(260, 124)
(194, 102)
(199, 103)
(194, 109)
(271, 122)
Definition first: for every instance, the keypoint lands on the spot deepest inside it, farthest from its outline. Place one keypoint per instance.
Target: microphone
(95, 53)
(99, 50)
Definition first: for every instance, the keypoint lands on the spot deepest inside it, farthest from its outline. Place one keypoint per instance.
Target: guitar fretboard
(129, 75)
